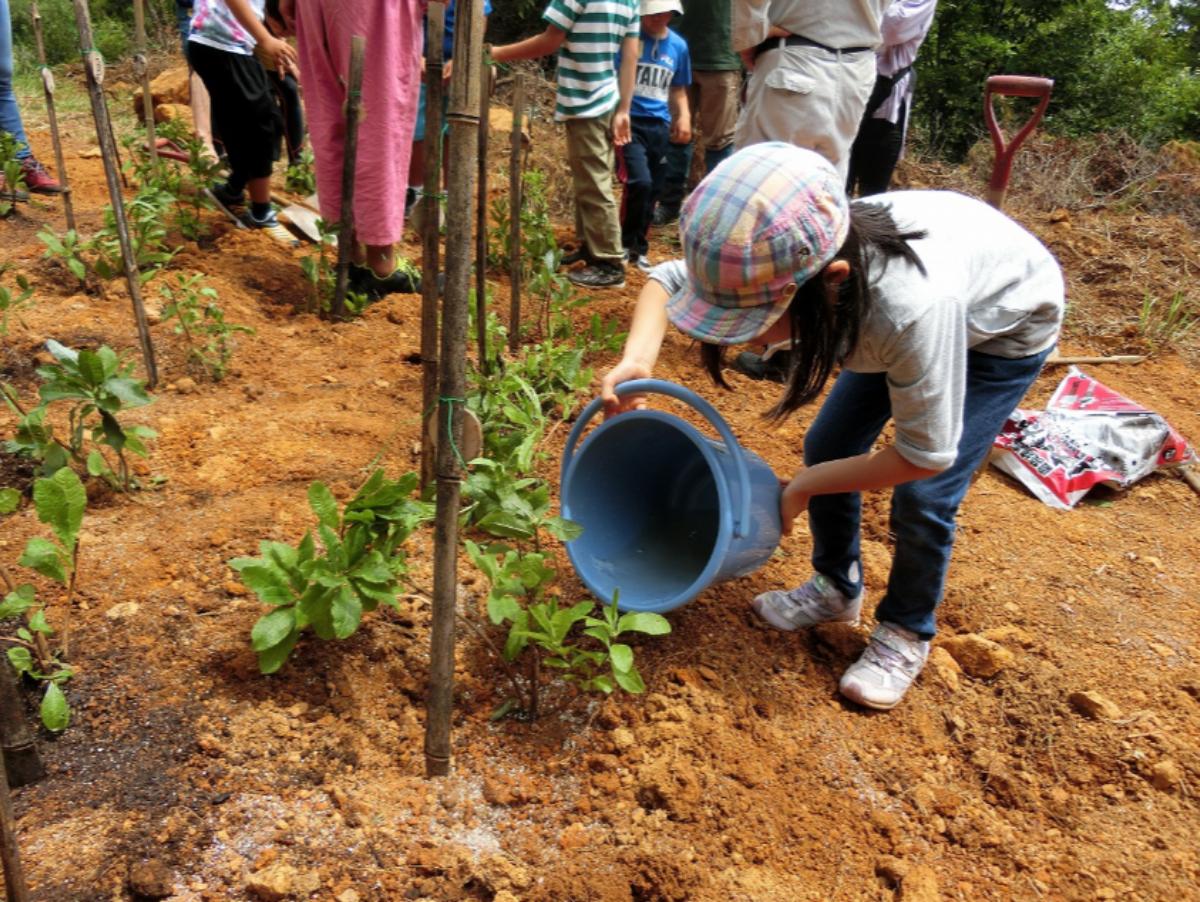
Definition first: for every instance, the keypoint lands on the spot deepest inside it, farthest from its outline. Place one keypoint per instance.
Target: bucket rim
(725, 526)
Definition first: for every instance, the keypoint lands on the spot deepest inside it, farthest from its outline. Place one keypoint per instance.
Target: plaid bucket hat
(770, 215)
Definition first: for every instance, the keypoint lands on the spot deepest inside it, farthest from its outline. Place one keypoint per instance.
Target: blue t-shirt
(448, 36)
(664, 64)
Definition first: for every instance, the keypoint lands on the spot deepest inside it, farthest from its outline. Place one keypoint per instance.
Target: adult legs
(875, 153)
(924, 511)
(10, 115)
(643, 161)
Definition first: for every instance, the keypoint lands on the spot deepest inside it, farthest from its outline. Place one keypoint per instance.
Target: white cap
(653, 7)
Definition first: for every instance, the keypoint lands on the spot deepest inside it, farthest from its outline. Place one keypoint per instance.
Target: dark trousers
(875, 153)
(645, 165)
(244, 110)
(679, 167)
(923, 511)
(288, 93)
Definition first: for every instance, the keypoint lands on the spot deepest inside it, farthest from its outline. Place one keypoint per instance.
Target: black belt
(796, 40)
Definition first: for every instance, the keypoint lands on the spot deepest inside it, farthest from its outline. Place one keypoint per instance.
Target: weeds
(1166, 324)
(300, 177)
(14, 180)
(200, 319)
(66, 250)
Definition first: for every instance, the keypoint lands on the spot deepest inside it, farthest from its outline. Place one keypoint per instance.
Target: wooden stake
(431, 237)
(464, 146)
(94, 67)
(15, 889)
(346, 238)
(481, 214)
(1189, 475)
(515, 202)
(48, 89)
(143, 72)
(16, 740)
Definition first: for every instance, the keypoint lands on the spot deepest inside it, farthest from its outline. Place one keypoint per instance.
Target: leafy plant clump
(358, 565)
(94, 387)
(301, 178)
(10, 169)
(67, 250)
(200, 319)
(60, 502)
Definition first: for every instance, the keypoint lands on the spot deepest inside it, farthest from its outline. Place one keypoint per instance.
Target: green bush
(112, 28)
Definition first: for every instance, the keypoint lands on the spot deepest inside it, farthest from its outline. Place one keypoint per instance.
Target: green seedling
(318, 268)
(200, 319)
(94, 387)
(301, 178)
(11, 301)
(357, 566)
(66, 250)
(1164, 324)
(60, 502)
(14, 179)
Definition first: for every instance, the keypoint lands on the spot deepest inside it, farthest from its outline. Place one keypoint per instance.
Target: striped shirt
(587, 75)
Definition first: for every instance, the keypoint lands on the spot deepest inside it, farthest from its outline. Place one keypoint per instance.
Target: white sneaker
(888, 666)
(817, 601)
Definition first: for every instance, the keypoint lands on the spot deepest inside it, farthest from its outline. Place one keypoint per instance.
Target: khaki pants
(713, 102)
(590, 155)
(808, 97)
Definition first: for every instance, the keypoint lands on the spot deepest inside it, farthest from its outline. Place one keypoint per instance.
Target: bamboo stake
(94, 67)
(464, 120)
(481, 214)
(16, 740)
(431, 237)
(143, 72)
(56, 139)
(346, 239)
(15, 889)
(1189, 475)
(515, 202)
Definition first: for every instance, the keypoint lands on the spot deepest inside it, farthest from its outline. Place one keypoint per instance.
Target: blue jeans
(10, 116)
(645, 160)
(923, 511)
(679, 165)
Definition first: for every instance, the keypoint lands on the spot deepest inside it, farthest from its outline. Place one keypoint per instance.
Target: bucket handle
(741, 523)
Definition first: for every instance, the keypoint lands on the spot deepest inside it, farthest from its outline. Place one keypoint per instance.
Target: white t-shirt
(990, 286)
(215, 26)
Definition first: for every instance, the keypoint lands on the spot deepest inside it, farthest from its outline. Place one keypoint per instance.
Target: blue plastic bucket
(665, 511)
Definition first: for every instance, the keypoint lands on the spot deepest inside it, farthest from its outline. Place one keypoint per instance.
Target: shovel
(1011, 86)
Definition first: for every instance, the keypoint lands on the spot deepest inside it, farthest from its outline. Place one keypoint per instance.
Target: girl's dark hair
(823, 333)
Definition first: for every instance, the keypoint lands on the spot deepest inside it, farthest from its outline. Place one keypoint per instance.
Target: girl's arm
(531, 48)
(876, 470)
(645, 340)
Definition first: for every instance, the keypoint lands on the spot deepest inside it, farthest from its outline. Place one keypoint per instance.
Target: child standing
(225, 38)
(658, 115)
(593, 104)
(940, 311)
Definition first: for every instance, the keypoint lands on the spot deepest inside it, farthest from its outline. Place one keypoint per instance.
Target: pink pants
(391, 82)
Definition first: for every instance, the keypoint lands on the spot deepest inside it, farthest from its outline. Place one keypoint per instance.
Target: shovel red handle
(1011, 86)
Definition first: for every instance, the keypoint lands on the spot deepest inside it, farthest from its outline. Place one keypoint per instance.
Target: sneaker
(271, 225)
(776, 368)
(37, 179)
(228, 199)
(579, 255)
(598, 275)
(817, 601)
(401, 281)
(888, 666)
(662, 216)
(641, 261)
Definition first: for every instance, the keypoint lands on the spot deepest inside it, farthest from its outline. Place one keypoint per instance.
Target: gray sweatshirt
(990, 287)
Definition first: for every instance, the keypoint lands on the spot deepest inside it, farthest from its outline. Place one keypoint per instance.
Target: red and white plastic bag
(1088, 435)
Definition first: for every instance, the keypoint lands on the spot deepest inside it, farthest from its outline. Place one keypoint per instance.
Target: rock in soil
(978, 657)
(920, 884)
(1094, 705)
(150, 880)
(945, 668)
(278, 881)
(1166, 775)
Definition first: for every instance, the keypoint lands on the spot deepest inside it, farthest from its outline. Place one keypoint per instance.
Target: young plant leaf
(17, 601)
(45, 557)
(10, 499)
(55, 711)
(324, 505)
(273, 628)
(622, 657)
(60, 502)
(644, 622)
(271, 659)
(21, 659)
